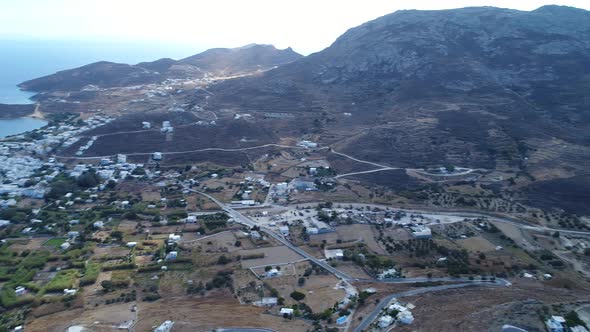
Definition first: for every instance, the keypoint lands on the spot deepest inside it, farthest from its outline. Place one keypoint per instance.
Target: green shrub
(90, 274)
(151, 297)
(8, 298)
(35, 259)
(297, 296)
(62, 280)
(55, 242)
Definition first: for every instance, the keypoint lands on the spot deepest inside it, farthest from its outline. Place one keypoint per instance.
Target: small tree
(297, 296)
(87, 180)
(223, 260)
(301, 281)
(107, 285)
(450, 168)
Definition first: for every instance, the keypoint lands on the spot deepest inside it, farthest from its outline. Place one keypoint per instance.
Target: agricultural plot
(321, 291)
(205, 314)
(28, 245)
(271, 256)
(351, 233)
(476, 244)
(55, 242)
(62, 280)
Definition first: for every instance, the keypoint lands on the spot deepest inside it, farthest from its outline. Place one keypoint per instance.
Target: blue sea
(9, 127)
(24, 59)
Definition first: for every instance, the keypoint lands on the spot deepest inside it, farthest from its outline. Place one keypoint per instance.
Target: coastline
(19, 115)
(30, 109)
(37, 114)
(18, 126)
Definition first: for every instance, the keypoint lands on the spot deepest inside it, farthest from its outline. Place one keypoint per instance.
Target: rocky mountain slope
(428, 54)
(485, 87)
(219, 61)
(102, 74)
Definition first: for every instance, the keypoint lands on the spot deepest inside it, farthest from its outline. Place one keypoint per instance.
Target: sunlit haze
(306, 25)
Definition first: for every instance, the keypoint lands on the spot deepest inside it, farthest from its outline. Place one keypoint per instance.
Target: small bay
(17, 126)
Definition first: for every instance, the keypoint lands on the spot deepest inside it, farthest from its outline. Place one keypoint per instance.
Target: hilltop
(219, 61)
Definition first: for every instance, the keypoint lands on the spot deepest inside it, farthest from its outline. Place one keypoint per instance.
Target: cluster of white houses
(21, 176)
(396, 312)
(24, 173)
(107, 169)
(51, 137)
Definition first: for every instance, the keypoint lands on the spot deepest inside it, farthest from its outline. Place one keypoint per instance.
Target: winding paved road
(465, 282)
(366, 172)
(187, 151)
(359, 160)
(499, 281)
(242, 219)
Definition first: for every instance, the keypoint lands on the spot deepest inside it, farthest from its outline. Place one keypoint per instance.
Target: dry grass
(110, 251)
(32, 244)
(476, 244)
(205, 314)
(127, 226)
(485, 309)
(352, 269)
(151, 196)
(320, 292)
(101, 318)
(272, 256)
(350, 233)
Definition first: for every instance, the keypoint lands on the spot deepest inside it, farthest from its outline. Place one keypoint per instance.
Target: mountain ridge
(478, 87)
(214, 61)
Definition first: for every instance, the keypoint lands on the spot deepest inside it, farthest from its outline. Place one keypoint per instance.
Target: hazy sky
(306, 25)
